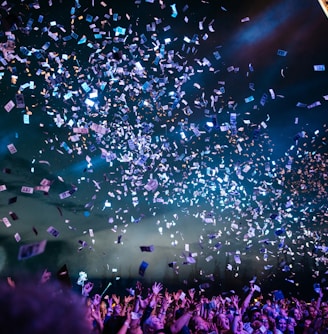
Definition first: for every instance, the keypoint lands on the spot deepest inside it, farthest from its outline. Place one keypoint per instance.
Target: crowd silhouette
(49, 306)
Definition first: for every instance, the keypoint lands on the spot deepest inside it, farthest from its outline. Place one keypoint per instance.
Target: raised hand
(176, 295)
(168, 297)
(116, 299)
(235, 301)
(87, 288)
(127, 299)
(96, 300)
(157, 288)
(143, 302)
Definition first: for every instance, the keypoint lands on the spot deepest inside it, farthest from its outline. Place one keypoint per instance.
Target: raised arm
(248, 299)
(127, 322)
(95, 313)
(319, 299)
(127, 300)
(166, 301)
(237, 314)
(182, 321)
(156, 289)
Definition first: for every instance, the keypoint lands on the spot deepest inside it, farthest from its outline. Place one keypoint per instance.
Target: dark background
(201, 177)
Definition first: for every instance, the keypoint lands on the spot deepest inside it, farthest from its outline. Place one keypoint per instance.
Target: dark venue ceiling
(194, 128)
